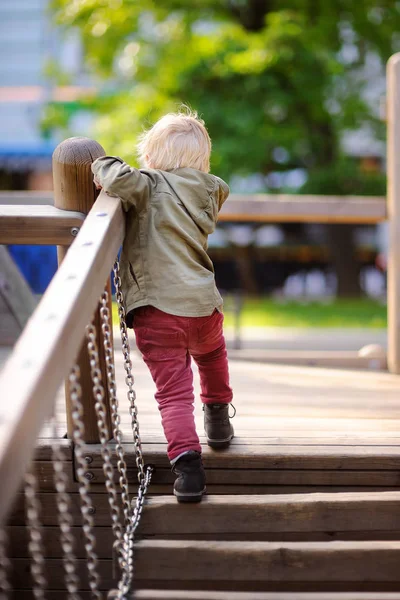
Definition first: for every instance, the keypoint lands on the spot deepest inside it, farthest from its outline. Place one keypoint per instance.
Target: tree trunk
(342, 247)
(245, 266)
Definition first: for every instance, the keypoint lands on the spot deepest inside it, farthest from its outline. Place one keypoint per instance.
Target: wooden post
(393, 199)
(74, 190)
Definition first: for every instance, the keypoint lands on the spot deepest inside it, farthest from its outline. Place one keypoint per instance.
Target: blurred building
(29, 45)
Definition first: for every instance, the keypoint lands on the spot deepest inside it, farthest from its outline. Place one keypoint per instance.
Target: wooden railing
(50, 342)
(251, 208)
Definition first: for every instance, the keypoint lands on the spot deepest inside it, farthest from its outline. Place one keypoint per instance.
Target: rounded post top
(394, 60)
(77, 151)
(72, 175)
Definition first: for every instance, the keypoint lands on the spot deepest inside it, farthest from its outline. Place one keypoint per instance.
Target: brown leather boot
(217, 425)
(190, 484)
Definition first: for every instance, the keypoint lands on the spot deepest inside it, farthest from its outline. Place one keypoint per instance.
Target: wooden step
(287, 516)
(204, 595)
(268, 565)
(297, 517)
(255, 516)
(243, 466)
(209, 595)
(244, 566)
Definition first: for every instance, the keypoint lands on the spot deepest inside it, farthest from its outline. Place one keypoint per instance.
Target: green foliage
(345, 178)
(263, 74)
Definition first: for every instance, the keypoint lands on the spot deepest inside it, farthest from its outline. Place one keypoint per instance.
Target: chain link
(86, 507)
(65, 520)
(5, 587)
(101, 413)
(129, 376)
(144, 476)
(35, 544)
(112, 391)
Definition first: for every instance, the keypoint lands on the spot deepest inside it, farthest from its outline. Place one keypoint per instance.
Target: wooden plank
(287, 208)
(319, 358)
(282, 513)
(26, 198)
(270, 208)
(233, 489)
(18, 539)
(393, 193)
(269, 456)
(48, 346)
(207, 595)
(236, 565)
(290, 477)
(17, 302)
(43, 450)
(268, 561)
(38, 225)
(258, 514)
(382, 439)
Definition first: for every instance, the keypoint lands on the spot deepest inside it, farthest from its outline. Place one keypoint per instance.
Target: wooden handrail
(287, 208)
(48, 346)
(269, 208)
(38, 225)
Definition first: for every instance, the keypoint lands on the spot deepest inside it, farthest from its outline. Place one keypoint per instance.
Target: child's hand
(96, 183)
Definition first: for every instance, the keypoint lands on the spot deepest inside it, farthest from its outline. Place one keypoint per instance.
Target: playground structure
(265, 531)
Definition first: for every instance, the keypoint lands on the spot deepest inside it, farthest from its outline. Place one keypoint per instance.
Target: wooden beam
(255, 566)
(267, 562)
(38, 225)
(219, 515)
(27, 198)
(334, 359)
(271, 456)
(286, 208)
(48, 346)
(17, 300)
(204, 595)
(393, 195)
(207, 595)
(269, 208)
(249, 514)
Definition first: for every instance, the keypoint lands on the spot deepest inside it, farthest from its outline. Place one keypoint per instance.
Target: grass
(265, 312)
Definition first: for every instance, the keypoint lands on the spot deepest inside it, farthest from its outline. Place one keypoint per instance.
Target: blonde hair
(177, 140)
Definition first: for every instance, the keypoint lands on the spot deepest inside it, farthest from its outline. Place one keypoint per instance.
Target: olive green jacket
(169, 216)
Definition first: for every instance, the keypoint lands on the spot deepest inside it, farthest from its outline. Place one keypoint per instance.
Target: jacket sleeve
(223, 192)
(117, 178)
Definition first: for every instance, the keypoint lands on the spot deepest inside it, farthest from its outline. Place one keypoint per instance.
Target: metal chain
(35, 544)
(86, 507)
(101, 412)
(129, 376)
(116, 420)
(144, 476)
(65, 520)
(5, 587)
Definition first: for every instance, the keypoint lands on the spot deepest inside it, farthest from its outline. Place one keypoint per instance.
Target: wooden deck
(281, 402)
(297, 429)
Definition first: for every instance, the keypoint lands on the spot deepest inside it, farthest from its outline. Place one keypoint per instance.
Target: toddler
(171, 299)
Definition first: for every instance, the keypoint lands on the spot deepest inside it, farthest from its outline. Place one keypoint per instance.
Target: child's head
(177, 140)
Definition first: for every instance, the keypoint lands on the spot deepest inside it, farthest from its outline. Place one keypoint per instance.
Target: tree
(266, 74)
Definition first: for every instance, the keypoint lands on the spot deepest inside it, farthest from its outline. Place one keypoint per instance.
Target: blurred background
(293, 95)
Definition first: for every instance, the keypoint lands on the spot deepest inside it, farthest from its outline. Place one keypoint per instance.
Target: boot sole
(190, 497)
(220, 443)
